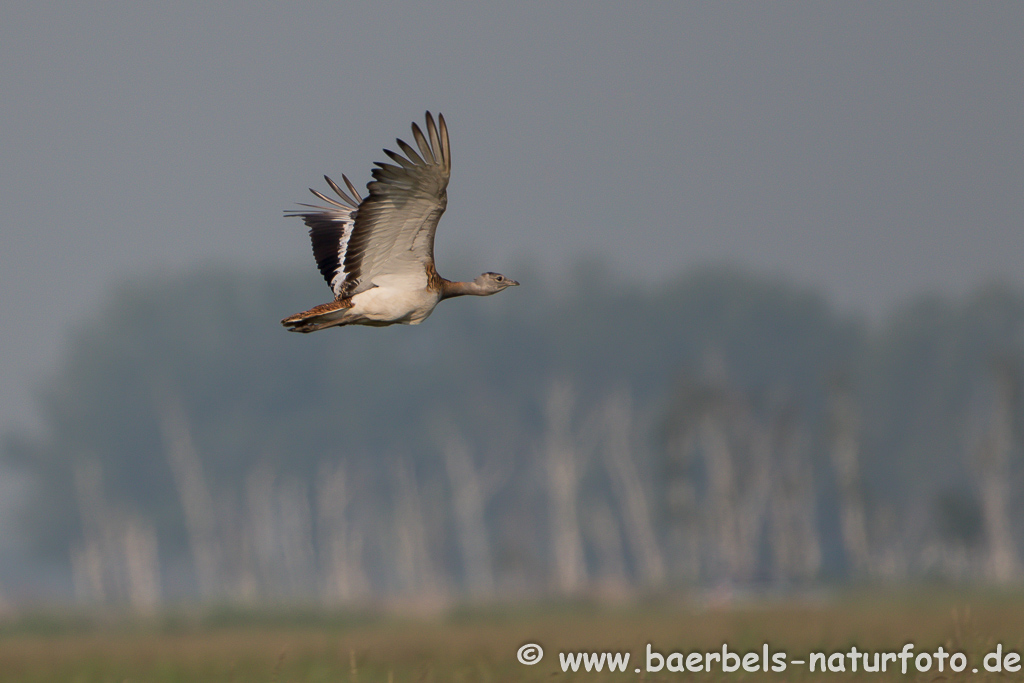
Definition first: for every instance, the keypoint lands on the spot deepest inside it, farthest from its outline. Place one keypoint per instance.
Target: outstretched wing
(394, 226)
(330, 230)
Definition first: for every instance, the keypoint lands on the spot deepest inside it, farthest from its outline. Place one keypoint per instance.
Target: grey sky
(872, 149)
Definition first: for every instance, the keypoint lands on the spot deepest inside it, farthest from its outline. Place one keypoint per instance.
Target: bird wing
(330, 230)
(393, 234)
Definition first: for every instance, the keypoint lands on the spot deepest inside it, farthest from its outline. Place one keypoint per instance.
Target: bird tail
(319, 317)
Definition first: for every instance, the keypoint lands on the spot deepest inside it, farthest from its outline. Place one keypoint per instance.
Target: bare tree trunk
(468, 505)
(340, 544)
(118, 555)
(618, 421)
(237, 551)
(754, 484)
(87, 573)
(196, 501)
(143, 565)
(563, 483)
(845, 454)
(682, 500)
(296, 540)
(796, 549)
(89, 562)
(603, 529)
(263, 529)
(722, 503)
(993, 459)
(279, 534)
(416, 566)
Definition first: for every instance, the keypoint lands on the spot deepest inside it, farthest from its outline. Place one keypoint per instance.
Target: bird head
(492, 283)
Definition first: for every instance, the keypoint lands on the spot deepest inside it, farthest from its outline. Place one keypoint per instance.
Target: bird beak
(511, 283)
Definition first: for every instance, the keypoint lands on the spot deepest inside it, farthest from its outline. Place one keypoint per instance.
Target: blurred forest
(589, 436)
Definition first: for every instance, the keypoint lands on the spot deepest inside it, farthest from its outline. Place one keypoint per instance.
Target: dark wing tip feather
(398, 158)
(352, 203)
(294, 213)
(391, 173)
(422, 143)
(435, 143)
(434, 146)
(445, 145)
(351, 187)
(410, 152)
(327, 199)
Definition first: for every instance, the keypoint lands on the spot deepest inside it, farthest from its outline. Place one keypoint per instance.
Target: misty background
(769, 332)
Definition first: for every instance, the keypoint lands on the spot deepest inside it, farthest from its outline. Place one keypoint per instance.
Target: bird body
(377, 254)
(395, 299)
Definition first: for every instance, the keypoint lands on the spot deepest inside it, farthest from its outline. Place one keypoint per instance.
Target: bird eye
(499, 278)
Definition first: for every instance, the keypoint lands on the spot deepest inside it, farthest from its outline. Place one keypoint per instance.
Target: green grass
(477, 644)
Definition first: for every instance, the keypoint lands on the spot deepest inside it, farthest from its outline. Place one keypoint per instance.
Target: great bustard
(377, 254)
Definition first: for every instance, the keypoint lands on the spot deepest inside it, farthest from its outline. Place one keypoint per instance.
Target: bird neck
(450, 289)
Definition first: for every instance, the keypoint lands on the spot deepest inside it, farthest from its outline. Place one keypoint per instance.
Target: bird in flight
(377, 253)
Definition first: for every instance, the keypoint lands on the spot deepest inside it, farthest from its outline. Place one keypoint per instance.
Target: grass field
(481, 644)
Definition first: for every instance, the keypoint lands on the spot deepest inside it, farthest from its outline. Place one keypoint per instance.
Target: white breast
(391, 305)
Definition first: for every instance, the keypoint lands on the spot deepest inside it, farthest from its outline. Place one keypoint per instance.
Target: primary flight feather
(377, 253)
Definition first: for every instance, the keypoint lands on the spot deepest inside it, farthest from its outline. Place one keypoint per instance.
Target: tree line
(720, 429)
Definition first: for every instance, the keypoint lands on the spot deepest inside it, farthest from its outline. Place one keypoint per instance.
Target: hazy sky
(872, 149)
